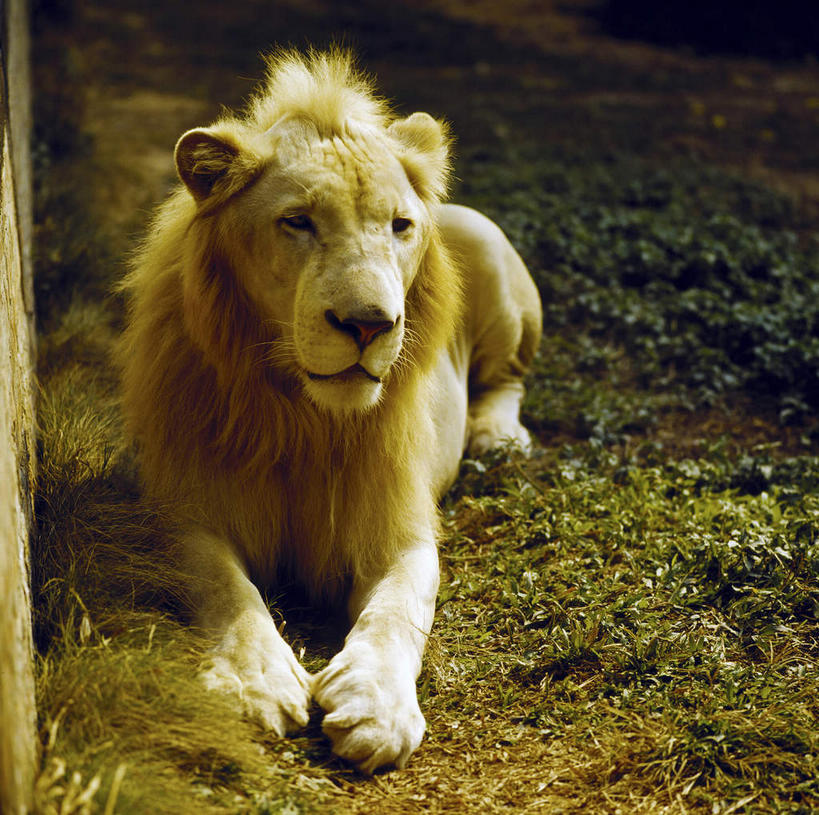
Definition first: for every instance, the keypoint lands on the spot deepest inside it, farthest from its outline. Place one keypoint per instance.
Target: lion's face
(327, 240)
(340, 233)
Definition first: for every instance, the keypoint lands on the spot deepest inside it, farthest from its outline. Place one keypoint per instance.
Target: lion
(313, 341)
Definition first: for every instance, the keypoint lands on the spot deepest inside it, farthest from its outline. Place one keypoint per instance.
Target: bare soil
(507, 75)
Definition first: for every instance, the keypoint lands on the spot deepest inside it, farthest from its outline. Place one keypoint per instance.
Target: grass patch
(620, 624)
(671, 625)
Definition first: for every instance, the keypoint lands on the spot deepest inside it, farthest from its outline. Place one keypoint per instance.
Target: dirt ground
(508, 76)
(512, 78)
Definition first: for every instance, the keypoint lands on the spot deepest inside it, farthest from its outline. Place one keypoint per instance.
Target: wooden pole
(18, 744)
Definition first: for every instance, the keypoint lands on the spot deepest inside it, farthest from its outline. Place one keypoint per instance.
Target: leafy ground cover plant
(699, 276)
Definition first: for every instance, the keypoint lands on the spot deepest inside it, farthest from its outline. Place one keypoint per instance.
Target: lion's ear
(212, 165)
(425, 153)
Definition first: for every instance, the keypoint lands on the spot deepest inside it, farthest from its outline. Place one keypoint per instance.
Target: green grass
(671, 624)
(643, 604)
(648, 611)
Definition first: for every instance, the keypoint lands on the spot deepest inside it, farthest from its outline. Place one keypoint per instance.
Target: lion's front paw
(270, 684)
(373, 718)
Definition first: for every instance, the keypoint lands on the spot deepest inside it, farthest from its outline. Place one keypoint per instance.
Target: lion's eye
(401, 225)
(301, 223)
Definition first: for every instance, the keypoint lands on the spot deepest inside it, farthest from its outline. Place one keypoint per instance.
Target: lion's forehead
(347, 175)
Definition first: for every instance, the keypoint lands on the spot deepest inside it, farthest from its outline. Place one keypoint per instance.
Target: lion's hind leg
(501, 356)
(501, 331)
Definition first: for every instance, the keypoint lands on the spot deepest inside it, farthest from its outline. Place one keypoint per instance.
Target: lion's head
(315, 214)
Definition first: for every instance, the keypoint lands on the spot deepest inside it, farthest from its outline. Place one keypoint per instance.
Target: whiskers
(410, 346)
(412, 338)
(280, 352)
(273, 323)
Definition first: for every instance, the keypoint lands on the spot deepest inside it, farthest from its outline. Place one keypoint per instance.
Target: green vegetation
(697, 275)
(649, 584)
(636, 603)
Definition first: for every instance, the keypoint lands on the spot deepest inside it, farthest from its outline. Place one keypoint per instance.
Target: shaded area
(788, 29)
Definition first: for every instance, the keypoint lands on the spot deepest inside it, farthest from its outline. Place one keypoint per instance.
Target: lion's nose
(364, 326)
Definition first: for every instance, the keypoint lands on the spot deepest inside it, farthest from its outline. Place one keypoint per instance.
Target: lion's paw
(488, 433)
(373, 719)
(272, 688)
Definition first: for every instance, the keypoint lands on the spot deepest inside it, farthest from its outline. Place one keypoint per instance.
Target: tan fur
(275, 466)
(202, 399)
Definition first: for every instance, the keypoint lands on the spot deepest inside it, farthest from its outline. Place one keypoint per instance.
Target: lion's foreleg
(249, 658)
(368, 689)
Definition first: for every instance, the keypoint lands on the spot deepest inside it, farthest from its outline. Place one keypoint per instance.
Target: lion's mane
(226, 435)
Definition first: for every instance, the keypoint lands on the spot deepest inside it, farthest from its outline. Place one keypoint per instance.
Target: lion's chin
(352, 390)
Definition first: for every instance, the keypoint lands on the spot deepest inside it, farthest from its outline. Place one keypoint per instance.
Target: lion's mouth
(350, 374)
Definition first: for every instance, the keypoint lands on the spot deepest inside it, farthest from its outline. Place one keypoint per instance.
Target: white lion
(313, 342)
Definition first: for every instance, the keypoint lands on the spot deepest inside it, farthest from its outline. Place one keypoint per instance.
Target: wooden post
(18, 744)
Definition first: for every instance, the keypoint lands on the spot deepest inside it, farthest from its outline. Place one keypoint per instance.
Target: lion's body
(307, 326)
(238, 455)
